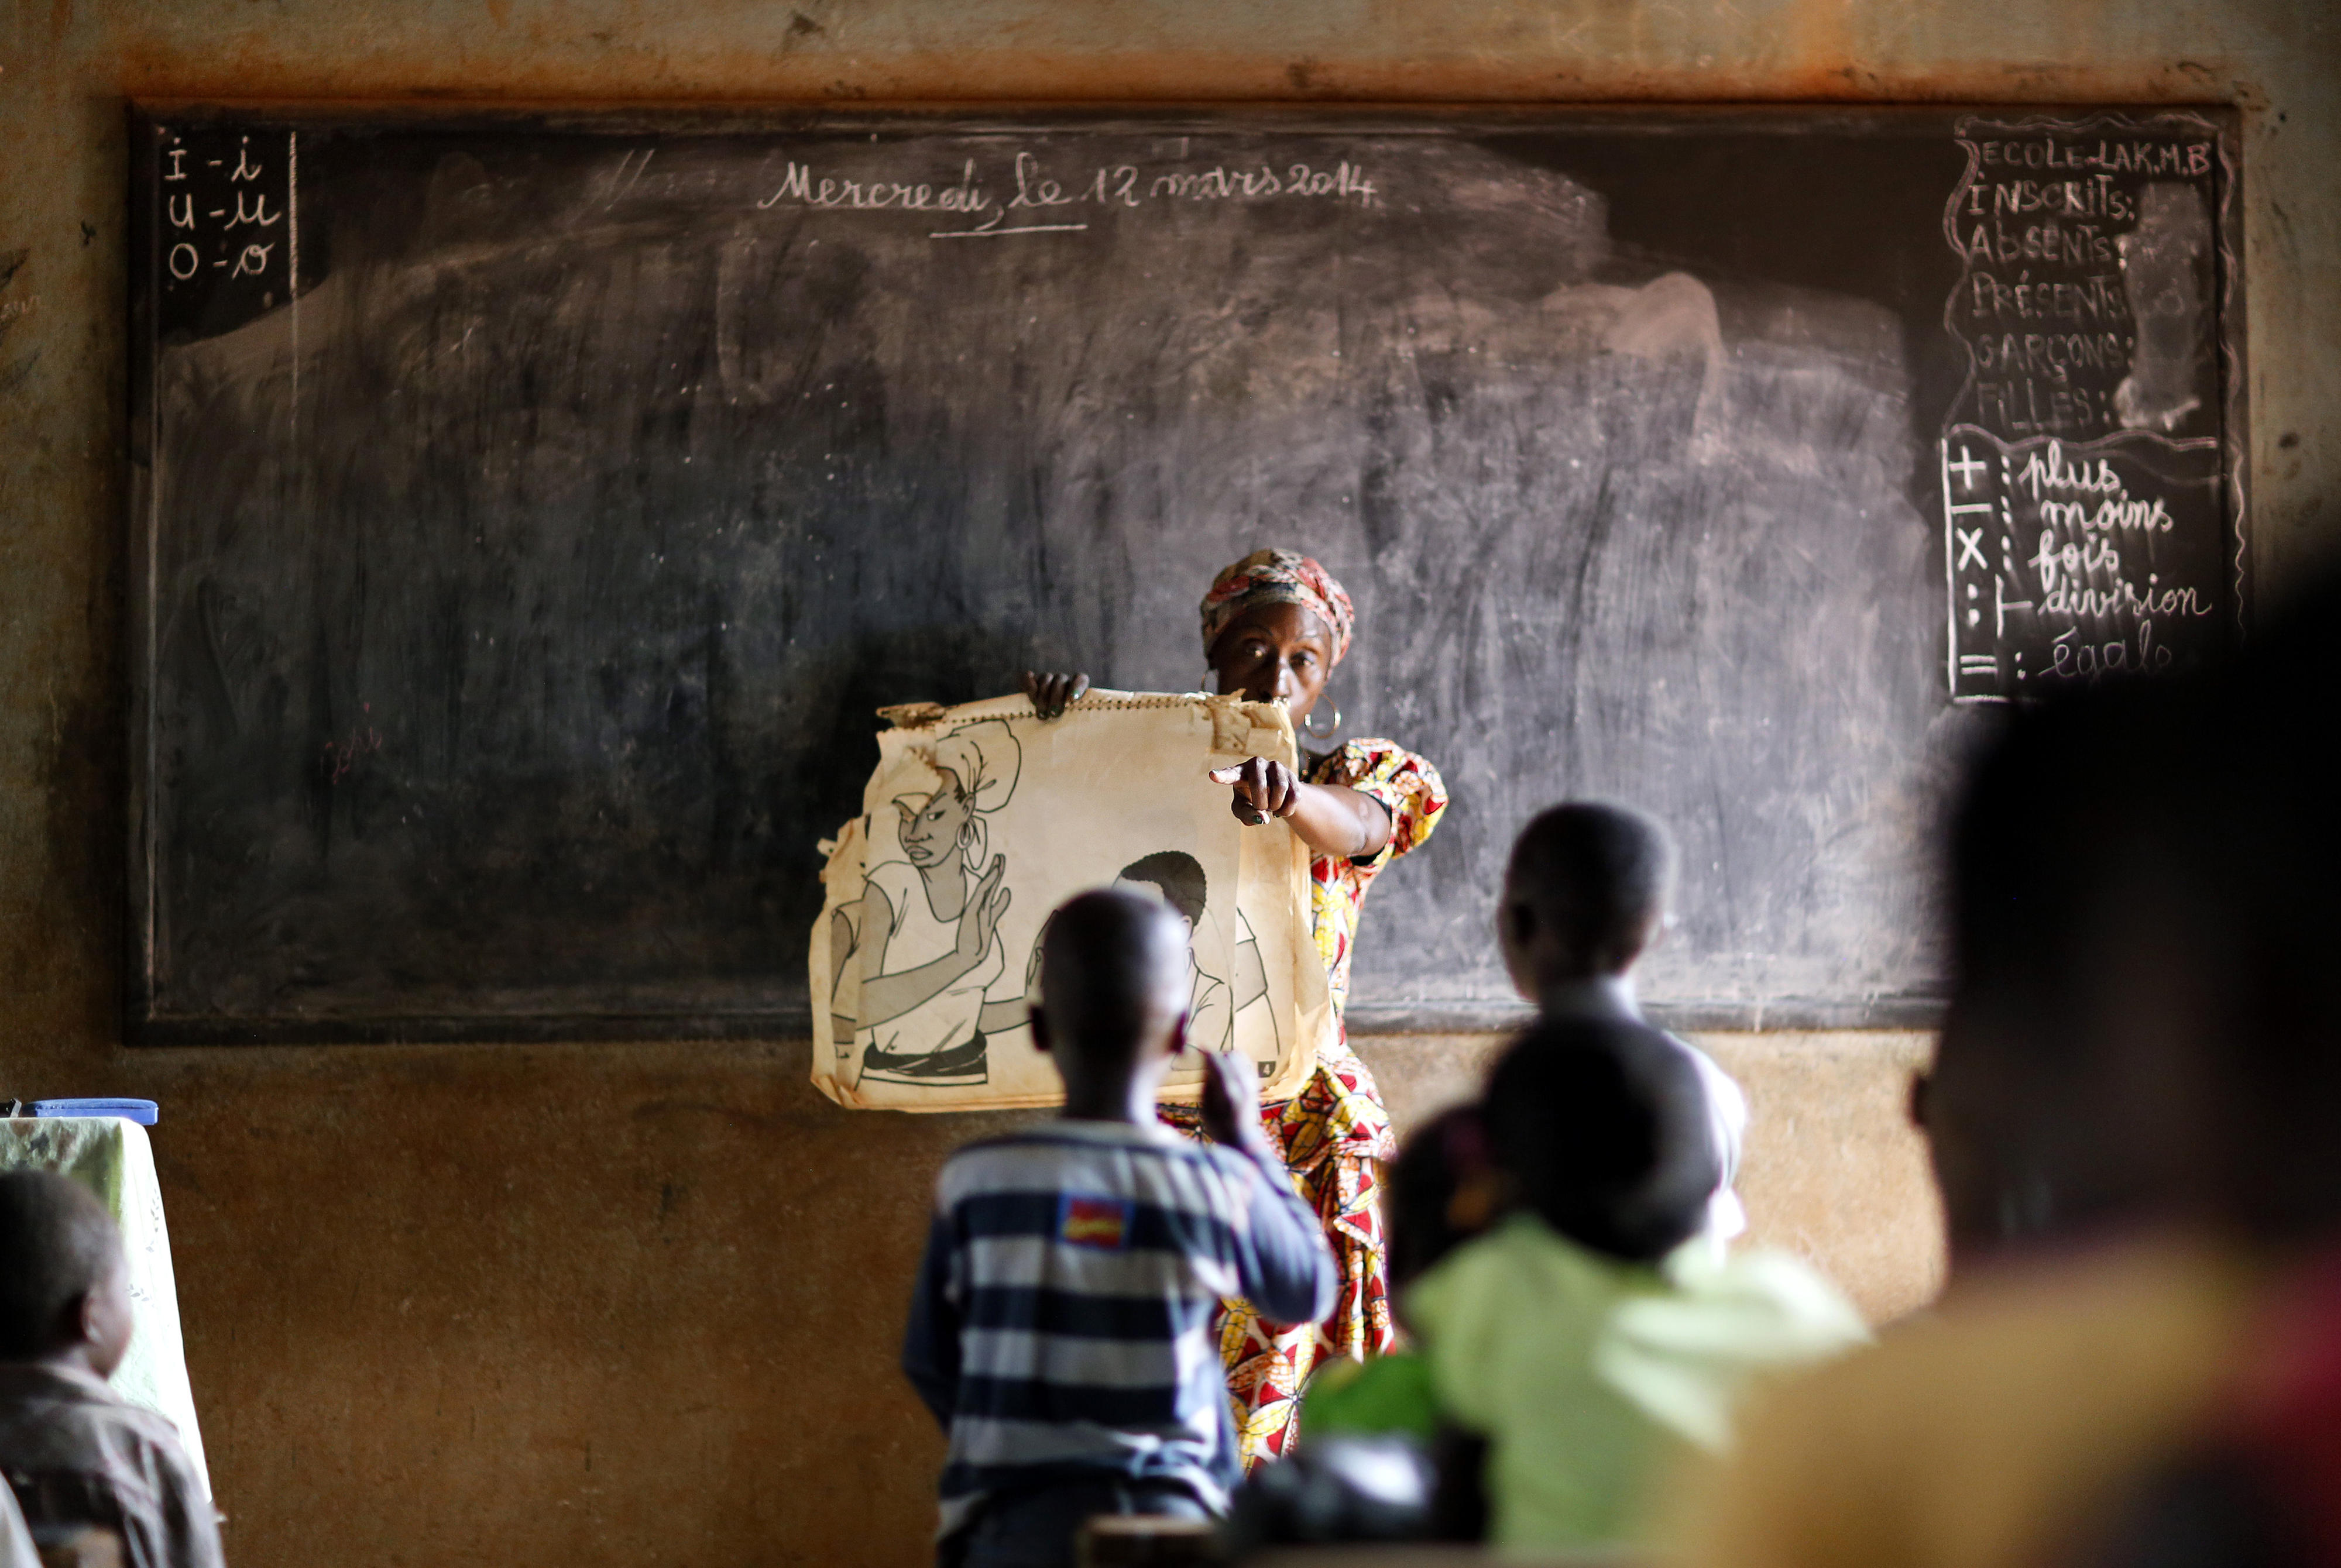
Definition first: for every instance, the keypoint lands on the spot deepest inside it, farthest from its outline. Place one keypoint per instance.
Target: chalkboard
(530, 509)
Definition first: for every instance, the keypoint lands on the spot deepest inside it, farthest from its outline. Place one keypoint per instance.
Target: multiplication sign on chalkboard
(2087, 522)
(530, 509)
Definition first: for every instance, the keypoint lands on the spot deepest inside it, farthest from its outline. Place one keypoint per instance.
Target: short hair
(2067, 862)
(1602, 1126)
(1111, 961)
(2054, 809)
(1433, 1166)
(59, 1244)
(1180, 876)
(1597, 874)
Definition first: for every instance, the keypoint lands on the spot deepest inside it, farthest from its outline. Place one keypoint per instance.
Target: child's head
(1114, 988)
(1442, 1191)
(1585, 893)
(2060, 1096)
(63, 1292)
(1600, 1129)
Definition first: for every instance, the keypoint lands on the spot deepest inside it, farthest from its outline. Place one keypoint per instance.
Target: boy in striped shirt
(1062, 1326)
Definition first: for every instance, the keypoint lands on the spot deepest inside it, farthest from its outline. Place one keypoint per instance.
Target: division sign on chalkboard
(2088, 526)
(530, 509)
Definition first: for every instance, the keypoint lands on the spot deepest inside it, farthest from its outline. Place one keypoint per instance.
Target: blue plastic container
(143, 1112)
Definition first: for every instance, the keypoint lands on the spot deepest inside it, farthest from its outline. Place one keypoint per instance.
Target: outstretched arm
(1329, 817)
(844, 939)
(998, 1017)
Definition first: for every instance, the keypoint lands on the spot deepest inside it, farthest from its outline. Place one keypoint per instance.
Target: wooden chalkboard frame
(146, 1022)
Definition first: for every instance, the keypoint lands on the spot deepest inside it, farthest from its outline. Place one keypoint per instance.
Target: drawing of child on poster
(1177, 879)
(924, 935)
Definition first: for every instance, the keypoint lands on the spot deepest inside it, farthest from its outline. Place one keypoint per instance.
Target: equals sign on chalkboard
(1987, 596)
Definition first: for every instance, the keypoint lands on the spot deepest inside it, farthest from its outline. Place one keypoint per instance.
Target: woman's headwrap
(1278, 577)
(983, 760)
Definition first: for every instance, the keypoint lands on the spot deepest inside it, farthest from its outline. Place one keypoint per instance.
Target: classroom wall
(558, 1305)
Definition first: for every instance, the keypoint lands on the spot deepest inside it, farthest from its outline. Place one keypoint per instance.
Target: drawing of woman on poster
(925, 931)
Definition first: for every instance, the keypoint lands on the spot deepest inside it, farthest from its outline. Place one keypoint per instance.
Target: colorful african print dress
(1335, 1132)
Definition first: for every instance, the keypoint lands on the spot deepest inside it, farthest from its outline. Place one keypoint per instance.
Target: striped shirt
(1061, 1328)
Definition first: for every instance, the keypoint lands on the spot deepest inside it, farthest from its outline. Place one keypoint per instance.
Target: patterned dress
(1335, 1132)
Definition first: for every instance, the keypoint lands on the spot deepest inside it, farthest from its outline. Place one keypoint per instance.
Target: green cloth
(1590, 1377)
(114, 1159)
(1388, 1394)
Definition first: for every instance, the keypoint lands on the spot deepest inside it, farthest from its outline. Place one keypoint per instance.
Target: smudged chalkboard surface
(524, 538)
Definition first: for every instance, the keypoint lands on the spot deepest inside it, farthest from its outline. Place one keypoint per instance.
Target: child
(1585, 892)
(1062, 1325)
(1442, 1192)
(73, 1451)
(2141, 1037)
(1579, 1339)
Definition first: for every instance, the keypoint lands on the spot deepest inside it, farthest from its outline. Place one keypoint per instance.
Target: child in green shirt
(1580, 1338)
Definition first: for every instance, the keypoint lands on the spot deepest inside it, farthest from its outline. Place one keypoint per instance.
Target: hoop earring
(1309, 725)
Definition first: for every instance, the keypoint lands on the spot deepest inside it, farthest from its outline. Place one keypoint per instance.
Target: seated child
(1062, 1325)
(1588, 1348)
(73, 1451)
(1442, 1192)
(1585, 894)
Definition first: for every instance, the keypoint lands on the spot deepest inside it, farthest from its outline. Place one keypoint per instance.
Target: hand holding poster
(982, 819)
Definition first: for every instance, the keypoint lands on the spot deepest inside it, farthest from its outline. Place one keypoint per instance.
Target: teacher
(1275, 626)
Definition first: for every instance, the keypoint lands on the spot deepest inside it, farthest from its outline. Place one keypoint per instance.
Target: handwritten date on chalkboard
(2085, 523)
(512, 596)
(1035, 186)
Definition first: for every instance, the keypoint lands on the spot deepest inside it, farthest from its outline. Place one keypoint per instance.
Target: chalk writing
(2069, 242)
(343, 755)
(2083, 529)
(1030, 193)
(2069, 564)
(226, 230)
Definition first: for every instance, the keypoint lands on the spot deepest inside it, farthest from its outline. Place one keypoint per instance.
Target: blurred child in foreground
(2131, 1116)
(2257, 1480)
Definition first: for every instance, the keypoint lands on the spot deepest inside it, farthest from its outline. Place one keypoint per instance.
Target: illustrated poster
(981, 819)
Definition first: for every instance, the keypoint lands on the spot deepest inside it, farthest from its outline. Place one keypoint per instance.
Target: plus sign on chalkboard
(2090, 525)
(531, 509)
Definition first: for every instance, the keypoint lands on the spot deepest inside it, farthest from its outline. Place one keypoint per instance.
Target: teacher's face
(1277, 652)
